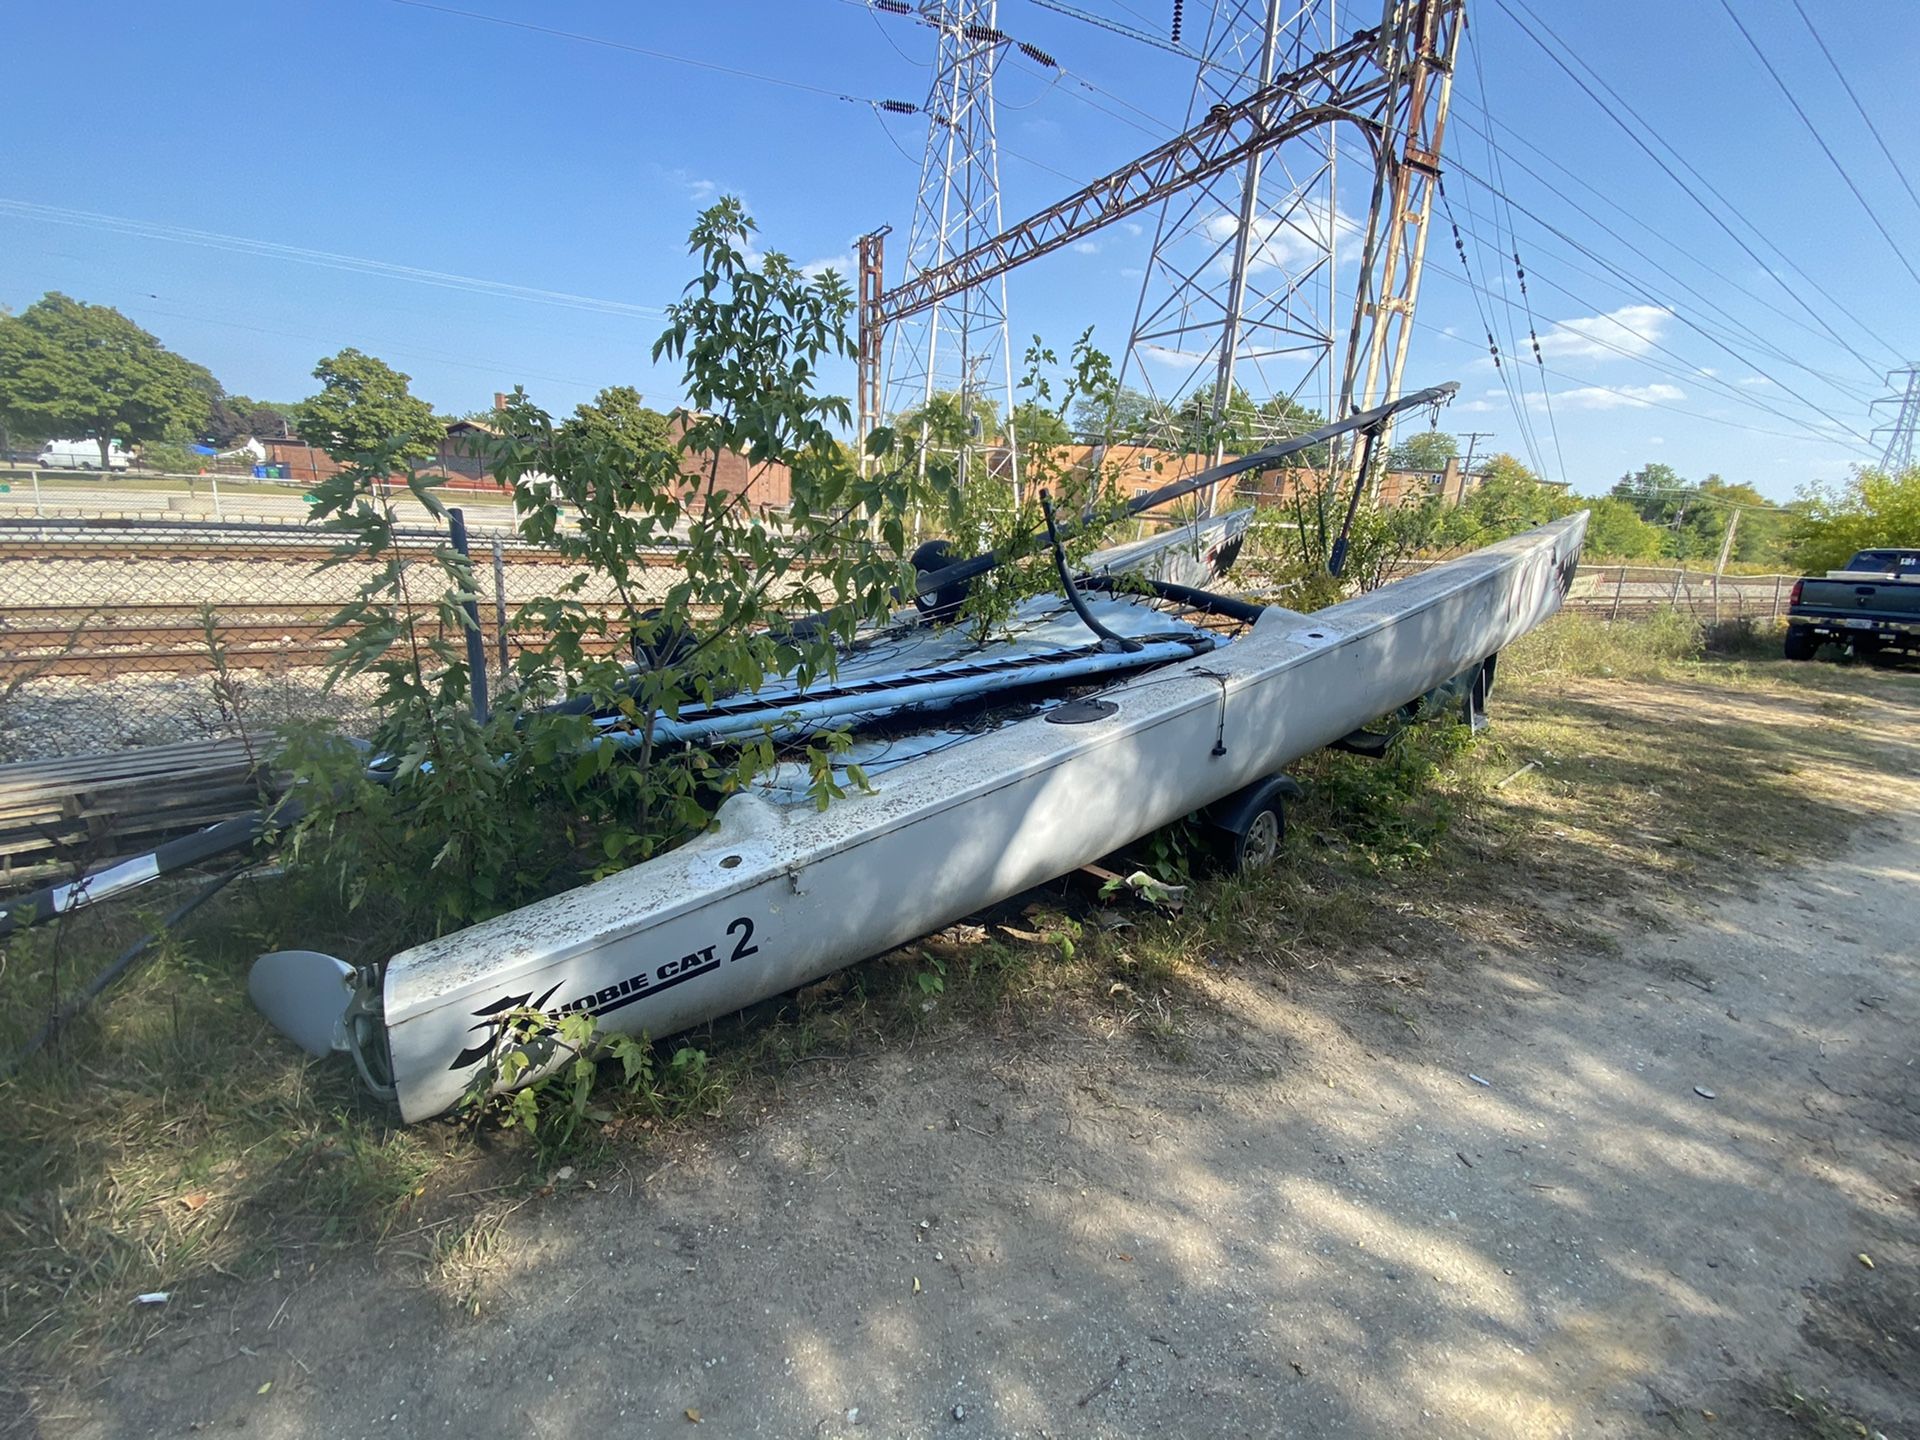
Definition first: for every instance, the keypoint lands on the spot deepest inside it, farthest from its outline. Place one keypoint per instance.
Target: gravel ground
(55, 715)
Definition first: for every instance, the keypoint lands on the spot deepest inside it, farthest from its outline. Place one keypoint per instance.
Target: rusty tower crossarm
(1417, 56)
(1345, 83)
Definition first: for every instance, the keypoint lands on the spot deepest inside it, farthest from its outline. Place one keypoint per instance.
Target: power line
(1514, 401)
(1682, 318)
(1819, 139)
(1688, 370)
(1495, 158)
(1639, 401)
(1847, 85)
(1704, 183)
(1753, 335)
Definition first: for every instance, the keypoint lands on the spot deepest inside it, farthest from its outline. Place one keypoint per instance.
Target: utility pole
(1901, 434)
(1720, 565)
(873, 276)
(1473, 438)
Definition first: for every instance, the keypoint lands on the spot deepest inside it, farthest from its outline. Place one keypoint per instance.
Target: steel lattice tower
(1904, 433)
(1242, 288)
(960, 346)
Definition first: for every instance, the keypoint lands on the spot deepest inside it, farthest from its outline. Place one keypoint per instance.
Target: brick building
(460, 456)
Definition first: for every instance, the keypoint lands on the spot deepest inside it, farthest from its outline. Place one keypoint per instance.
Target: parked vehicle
(82, 455)
(1872, 606)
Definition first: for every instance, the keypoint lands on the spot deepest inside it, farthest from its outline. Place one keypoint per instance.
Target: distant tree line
(74, 371)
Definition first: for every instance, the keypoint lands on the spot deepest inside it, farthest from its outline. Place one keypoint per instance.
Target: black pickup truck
(1872, 606)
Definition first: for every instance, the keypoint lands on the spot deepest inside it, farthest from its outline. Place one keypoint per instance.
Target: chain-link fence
(116, 634)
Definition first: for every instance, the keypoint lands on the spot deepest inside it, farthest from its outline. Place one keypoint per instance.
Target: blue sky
(457, 150)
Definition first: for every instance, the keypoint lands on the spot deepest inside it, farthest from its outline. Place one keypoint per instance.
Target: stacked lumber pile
(79, 812)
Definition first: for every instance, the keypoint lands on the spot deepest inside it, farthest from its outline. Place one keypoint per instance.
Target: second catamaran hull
(776, 896)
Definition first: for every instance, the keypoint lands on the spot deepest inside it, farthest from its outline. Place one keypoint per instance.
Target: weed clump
(1588, 645)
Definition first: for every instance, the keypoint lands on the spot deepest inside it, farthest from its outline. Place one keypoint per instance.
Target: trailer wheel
(1800, 643)
(1251, 825)
(1258, 846)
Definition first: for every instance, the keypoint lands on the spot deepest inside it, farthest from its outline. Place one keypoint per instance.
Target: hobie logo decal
(650, 981)
(473, 1054)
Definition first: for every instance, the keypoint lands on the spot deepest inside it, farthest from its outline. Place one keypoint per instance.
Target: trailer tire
(1800, 643)
(1251, 826)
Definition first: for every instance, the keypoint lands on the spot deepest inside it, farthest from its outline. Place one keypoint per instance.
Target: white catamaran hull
(778, 895)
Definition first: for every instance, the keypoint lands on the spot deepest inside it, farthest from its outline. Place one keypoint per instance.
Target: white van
(82, 455)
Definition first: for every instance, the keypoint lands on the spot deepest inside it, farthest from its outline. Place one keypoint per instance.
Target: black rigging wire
(1513, 244)
(1819, 139)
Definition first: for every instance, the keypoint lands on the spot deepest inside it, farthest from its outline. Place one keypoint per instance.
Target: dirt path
(1565, 1195)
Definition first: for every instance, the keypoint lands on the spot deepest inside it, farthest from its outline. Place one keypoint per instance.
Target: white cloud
(1475, 407)
(1132, 273)
(701, 189)
(1631, 330)
(1621, 397)
(843, 262)
(1134, 230)
(1656, 439)
(1753, 380)
(1086, 247)
(1289, 244)
(1167, 355)
(1707, 371)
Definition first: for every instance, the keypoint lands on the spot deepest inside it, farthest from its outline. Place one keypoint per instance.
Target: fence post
(1619, 587)
(1776, 595)
(38, 512)
(500, 606)
(214, 476)
(476, 643)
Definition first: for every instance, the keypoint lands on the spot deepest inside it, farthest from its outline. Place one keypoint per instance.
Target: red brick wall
(769, 486)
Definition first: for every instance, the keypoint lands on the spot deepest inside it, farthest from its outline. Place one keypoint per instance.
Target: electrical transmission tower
(1240, 291)
(959, 346)
(1905, 429)
(1244, 305)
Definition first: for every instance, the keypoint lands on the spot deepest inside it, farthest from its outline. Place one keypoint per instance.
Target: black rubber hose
(1196, 599)
(1074, 597)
